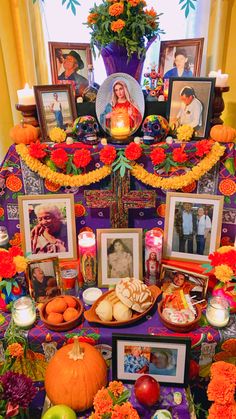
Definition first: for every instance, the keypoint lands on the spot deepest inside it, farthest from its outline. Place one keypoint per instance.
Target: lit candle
(221, 79)
(23, 312)
(217, 312)
(120, 125)
(153, 253)
(87, 256)
(26, 96)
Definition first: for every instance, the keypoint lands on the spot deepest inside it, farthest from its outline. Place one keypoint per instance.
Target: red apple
(147, 390)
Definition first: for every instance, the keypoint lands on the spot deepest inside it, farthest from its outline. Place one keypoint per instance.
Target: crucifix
(120, 199)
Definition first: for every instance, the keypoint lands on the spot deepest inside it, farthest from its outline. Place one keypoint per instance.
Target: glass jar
(24, 312)
(217, 312)
(120, 125)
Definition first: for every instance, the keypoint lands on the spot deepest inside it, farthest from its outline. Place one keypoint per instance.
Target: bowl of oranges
(61, 313)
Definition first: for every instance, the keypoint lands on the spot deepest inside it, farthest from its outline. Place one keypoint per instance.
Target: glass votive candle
(217, 312)
(120, 125)
(24, 312)
(87, 257)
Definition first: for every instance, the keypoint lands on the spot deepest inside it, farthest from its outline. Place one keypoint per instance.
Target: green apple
(60, 411)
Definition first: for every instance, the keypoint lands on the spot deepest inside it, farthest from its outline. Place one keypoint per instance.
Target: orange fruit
(55, 318)
(1, 211)
(14, 183)
(70, 314)
(189, 188)
(58, 305)
(79, 210)
(52, 187)
(161, 210)
(69, 301)
(227, 187)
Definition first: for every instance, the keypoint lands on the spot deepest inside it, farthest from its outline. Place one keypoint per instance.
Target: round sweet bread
(134, 294)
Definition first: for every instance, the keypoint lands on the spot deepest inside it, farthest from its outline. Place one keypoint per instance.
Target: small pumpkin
(223, 133)
(24, 133)
(74, 375)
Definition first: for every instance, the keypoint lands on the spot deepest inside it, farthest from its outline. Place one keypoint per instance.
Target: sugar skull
(155, 129)
(86, 129)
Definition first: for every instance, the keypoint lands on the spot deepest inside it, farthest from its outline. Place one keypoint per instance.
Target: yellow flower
(57, 135)
(21, 263)
(224, 273)
(15, 350)
(184, 132)
(224, 249)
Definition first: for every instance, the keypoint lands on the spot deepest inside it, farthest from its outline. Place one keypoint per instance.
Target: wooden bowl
(92, 316)
(62, 327)
(182, 328)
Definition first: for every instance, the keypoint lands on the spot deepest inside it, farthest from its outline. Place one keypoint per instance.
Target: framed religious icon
(192, 283)
(44, 279)
(192, 226)
(47, 225)
(181, 58)
(55, 106)
(69, 64)
(190, 103)
(119, 255)
(165, 358)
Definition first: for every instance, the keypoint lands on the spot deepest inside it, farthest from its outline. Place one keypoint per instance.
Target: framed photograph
(190, 103)
(229, 216)
(44, 279)
(119, 255)
(69, 64)
(181, 58)
(165, 358)
(47, 225)
(55, 106)
(172, 279)
(192, 226)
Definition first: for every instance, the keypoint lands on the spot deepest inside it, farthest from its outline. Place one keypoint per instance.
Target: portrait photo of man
(72, 63)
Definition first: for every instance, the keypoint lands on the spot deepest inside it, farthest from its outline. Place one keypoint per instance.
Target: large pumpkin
(223, 133)
(74, 375)
(24, 133)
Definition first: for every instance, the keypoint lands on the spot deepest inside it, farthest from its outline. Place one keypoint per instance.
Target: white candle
(217, 312)
(221, 79)
(23, 312)
(26, 96)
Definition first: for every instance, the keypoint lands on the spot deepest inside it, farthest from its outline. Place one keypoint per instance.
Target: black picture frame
(203, 88)
(167, 347)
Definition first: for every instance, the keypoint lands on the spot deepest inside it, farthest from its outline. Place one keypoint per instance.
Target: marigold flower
(15, 251)
(151, 13)
(102, 402)
(219, 411)
(229, 345)
(108, 154)
(225, 249)
(59, 157)
(179, 155)
(224, 257)
(203, 147)
(184, 132)
(133, 151)
(82, 158)
(124, 411)
(224, 273)
(57, 135)
(116, 9)
(7, 266)
(157, 156)
(36, 150)
(118, 25)
(225, 369)
(116, 387)
(15, 350)
(21, 263)
(92, 18)
(221, 389)
(134, 3)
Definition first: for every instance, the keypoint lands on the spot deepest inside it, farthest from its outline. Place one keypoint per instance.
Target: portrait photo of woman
(120, 259)
(181, 67)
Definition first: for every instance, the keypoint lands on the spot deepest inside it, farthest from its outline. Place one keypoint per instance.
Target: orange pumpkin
(24, 133)
(223, 133)
(74, 375)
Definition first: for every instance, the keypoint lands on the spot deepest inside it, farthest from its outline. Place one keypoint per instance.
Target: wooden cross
(120, 199)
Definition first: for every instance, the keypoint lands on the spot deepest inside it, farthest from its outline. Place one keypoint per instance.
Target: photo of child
(163, 361)
(136, 359)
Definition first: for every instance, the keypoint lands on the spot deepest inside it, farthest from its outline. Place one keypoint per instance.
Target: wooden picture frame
(115, 263)
(190, 103)
(44, 279)
(47, 225)
(189, 247)
(58, 52)
(165, 358)
(55, 107)
(192, 49)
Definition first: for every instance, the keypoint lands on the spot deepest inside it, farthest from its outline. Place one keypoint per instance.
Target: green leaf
(117, 167)
(8, 288)
(122, 170)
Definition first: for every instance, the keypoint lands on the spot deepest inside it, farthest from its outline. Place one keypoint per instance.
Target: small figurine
(155, 85)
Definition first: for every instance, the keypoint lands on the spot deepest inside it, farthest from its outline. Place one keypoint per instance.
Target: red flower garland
(179, 155)
(7, 267)
(36, 150)
(82, 158)
(133, 151)
(203, 147)
(59, 157)
(157, 156)
(108, 154)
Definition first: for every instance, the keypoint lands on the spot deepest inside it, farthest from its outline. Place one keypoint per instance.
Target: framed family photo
(192, 226)
(181, 58)
(44, 279)
(69, 64)
(119, 255)
(55, 106)
(172, 279)
(190, 103)
(165, 358)
(47, 225)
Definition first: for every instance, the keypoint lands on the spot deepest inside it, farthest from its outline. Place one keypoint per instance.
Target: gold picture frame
(53, 234)
(44, 279)
(119, 255)
(192, 246)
